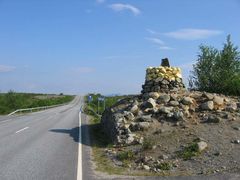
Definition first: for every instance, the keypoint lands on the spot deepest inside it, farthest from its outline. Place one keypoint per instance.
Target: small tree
(217, 70)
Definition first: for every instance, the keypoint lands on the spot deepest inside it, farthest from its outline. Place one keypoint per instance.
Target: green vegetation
(164, 166)
(189, 151)
(126, 155)
(97, 135)
(12, 101)
(94, 106)
(99, 141)
(148, 144)
(216, 70)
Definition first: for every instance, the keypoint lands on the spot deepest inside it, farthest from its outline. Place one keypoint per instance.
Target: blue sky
(81, 46)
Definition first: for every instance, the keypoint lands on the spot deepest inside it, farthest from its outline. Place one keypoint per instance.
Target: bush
(164, 166)
(148, 144)
(216, 70)
(125, 155)
(189, 151)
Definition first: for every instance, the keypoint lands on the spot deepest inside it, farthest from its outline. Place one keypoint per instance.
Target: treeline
(12, 101)
(217, 71)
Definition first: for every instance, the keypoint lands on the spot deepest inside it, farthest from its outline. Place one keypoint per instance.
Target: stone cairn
(163, 79)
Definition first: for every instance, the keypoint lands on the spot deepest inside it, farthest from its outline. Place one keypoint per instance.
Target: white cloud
(193, 34)
(122, 7)
(83, 70)
(4, 68)
(155, 40)
(152, 31)
(165, 48)
(100, 1)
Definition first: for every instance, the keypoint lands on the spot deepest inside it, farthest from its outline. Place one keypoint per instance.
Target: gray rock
(139, 126)
(119, 119)
(159, 79)
(231, 107)
(207, 105)
(163, 98)
(130, 139)
(118, 163)
(154, 147)
(170, 115)
(163, 156)
(150, 103)
(133, 126)
(128, 115)
(134, 109)
(141, 140)
(184, 107)
(146, 167)
(145, 118)
(178, 115)
(135, 102)
(202, 146)
(236, 128)
(165, 82)
(187, 101)
(238, 105)
(236, 141)
(218, 100)
(174, 97)
(173, 103)
(208, 96)
(154, 95)
(143, 125)
(166, 110)
(213, 119)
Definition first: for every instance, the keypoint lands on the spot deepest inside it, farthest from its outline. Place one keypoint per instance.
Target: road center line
(5, 120)
(22, 129)
(79, 168)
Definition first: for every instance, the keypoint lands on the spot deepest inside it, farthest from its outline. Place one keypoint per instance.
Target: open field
(12, 101)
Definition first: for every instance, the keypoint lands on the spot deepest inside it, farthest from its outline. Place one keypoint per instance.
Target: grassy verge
(99, 141)
(12, 101)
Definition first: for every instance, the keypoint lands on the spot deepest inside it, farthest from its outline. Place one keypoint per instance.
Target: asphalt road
(41, 145)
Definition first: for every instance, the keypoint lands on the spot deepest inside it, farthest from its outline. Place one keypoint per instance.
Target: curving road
(41, 145)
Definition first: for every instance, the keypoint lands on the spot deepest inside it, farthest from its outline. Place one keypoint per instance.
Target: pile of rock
(125, 121)
(163, 79)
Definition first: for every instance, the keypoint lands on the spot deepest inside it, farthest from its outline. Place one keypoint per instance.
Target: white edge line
(79, 168)
(21, 130)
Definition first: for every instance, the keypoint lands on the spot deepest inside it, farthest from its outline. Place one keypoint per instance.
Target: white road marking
(79, 169)
(22, 129)
(5, 120)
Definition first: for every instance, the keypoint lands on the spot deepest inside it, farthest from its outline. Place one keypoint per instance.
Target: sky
(105, 46)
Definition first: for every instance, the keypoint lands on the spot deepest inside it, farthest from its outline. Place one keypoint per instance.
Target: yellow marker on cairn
(169, 73)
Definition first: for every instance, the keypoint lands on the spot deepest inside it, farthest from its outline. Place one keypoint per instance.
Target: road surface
(41, 145)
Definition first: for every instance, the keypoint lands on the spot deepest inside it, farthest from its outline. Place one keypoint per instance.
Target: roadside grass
(125, 155)
(12, 101)
(99, 141)
(94, 107)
